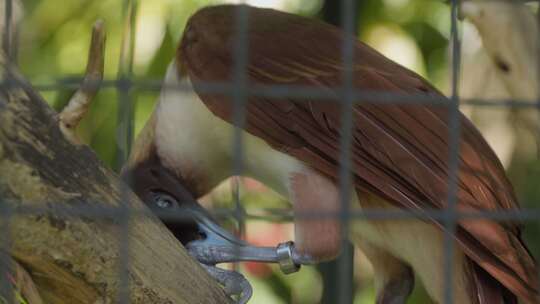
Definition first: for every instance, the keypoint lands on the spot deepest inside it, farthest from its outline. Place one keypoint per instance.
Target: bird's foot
(285, 254)
(234, 283)
(216, 245)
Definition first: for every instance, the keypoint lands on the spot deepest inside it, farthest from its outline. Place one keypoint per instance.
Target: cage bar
(124, 139)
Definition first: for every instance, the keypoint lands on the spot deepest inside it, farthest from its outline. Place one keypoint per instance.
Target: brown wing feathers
(400, 152)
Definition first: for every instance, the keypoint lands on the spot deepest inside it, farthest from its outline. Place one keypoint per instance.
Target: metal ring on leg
(284, 252)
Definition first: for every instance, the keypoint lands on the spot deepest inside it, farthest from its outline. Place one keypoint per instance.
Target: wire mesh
(240, 89)
(344, 279)
(297, 92)
(538, 112)
(5, 244)
(6, 212)
(453, 161)
(240, 83)
(125, 139)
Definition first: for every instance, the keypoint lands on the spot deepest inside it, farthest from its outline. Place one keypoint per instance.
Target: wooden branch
(506, 67)
(23, 283)
(13, 10)
(509, 34)
(74, 258)
(72, 114)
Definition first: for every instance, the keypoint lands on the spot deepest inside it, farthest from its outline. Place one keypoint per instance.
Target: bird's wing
(399, 152)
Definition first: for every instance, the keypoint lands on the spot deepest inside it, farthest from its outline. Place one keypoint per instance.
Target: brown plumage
(399, 152)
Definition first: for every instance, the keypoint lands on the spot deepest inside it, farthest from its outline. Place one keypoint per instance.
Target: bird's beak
(187, 210)
(193, 225)
(216, 245)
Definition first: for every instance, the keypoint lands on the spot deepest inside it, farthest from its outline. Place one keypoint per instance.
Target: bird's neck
(178, 101)
(187, 134)
(198, 146)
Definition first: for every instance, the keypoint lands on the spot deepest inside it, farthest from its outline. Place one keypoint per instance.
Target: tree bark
(505, 67)
(45, 182)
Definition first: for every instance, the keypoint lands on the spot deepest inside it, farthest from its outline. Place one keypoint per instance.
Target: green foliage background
(54, 45)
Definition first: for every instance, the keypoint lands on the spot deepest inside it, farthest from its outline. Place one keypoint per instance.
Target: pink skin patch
(316, 206)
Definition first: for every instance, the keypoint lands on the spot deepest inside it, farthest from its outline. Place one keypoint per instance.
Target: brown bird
(399, 155)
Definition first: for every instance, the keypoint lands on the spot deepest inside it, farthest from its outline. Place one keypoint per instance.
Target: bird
(399, 154)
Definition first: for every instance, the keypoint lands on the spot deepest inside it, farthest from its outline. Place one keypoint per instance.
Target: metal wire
(538, 112)
(299, 93)
(6, 212)
(124, 83)
(239, 95)
(124, 140)
(344, 295)
(453, 161)
(278, 215)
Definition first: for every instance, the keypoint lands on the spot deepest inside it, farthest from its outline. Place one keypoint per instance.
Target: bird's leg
(214, 247)
(317, 235)
(394, 280)
(317, 227)
(212, 244)
(217, 245)
(202, 232)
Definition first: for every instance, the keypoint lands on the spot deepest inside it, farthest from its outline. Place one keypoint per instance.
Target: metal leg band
(284, 252)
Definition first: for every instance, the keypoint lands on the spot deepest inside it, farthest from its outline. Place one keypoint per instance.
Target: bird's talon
(234, 283)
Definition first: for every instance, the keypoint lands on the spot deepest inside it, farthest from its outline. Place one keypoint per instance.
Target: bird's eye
(164, 201)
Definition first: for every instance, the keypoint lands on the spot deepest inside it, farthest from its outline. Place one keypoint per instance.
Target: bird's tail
(484, 289)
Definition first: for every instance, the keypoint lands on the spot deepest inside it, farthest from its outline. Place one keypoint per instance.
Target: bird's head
(164, 193)
(169, 195)
(158, 179)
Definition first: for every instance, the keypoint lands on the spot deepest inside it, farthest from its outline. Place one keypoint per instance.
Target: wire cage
(338, 287)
